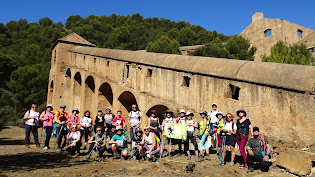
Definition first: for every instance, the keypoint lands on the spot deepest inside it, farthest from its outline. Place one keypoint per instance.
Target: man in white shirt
(212, 115)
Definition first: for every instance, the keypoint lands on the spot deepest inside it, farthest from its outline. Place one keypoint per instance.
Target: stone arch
(126, 99)
(89, 91)
(50, 92)
(105, 96)
(77, 81)
(159, 109)
(67, 92)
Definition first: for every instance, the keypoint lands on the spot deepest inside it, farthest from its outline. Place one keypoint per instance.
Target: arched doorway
(89, 91)
(126, 99)
(159, 109)
(50, 92)
(105, 96)
(77, 90)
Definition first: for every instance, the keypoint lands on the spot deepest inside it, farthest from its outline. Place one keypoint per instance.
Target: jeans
(61, 133)
(48, 132)
(28, 130)
(153, 152)
(203, 142)
(241, 141)
(132, 133)
(264, 166)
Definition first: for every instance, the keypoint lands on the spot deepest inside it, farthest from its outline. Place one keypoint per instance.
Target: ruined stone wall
(281, 30)
(279, 106)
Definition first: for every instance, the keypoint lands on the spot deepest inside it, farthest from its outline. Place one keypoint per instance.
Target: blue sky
(228, 17)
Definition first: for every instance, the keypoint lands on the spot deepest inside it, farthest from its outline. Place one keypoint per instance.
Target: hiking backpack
(263, 143)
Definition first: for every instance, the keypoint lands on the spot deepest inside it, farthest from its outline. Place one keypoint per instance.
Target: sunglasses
(134, 107)
(73, 127)
(146, 129)
(98, 130)
(34, 107)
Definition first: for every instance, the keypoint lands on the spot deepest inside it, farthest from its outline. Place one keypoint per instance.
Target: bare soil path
(17, 160)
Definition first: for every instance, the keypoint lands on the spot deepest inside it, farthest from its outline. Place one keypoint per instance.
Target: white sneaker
(148, 155)
(231, 164)
(45, 148)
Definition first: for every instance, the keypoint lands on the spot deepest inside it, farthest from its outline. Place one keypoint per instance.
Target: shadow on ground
(3, 127)
(6, 141)
(35, 160)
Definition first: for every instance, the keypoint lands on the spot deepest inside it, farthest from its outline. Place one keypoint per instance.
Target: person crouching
(136, 140)
(73, 140)
(151, 147)
(98, 140)
(119, 143)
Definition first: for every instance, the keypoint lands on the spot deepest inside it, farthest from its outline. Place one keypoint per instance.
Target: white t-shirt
(228, 126)
(86, 121)
(213, 117)
(190, 128)
(32, 122)
(134, 117)
(73, 137)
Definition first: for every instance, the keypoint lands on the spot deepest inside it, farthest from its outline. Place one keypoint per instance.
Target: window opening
(268, 33)
(55, 57)
(186, 81)
(234, 92)
(299, 33)
(149, 73)
(94, 60)
(107, 63)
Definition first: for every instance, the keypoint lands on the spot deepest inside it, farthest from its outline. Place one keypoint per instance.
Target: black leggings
(85, 132)
(101, 150)
(48, 131)
(61, 133)
(74, 149)
(192, 140)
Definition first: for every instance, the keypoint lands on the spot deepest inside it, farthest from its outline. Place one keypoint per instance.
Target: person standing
(213, 120)
(74, 118)
(230, 133)
(168, 119)
(47, 117)
(154, 124)
(109, 116)
(119, 120)
(134, 120)
(181, 120)
(243, 128)
(191, 125)
(221, 125)
(204, 132)
(62, 118)
(99, 121)
(31, 118)
(86, 125)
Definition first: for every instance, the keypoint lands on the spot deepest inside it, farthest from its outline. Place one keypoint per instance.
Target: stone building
(264, 33)
(278, 98)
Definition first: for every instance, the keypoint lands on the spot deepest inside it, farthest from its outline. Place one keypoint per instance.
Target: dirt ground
(17, 160)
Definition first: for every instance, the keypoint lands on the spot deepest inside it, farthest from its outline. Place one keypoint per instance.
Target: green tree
(293, 54)
(164, 45)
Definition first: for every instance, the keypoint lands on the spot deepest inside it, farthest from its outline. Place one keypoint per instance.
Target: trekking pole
(162, 145)
(170, 144)
(89, 155)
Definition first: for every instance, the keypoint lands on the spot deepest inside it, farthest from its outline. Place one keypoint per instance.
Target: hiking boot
(188, 157)
(45, 148)
(77, 154)
(208, 157)
(38, 145)
(249, 170)
(27, 145)
(246, 167)
(232, 164)
(200, 158)
(58, 149)
(87, 156)
(197, 159)
(241, 166)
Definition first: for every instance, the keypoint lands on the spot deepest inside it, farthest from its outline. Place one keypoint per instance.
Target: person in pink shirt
(119, 120)
(47, 117)
(74, 118)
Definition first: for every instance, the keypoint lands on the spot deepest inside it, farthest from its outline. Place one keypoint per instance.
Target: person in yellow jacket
(204, 132)
(221, 125)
